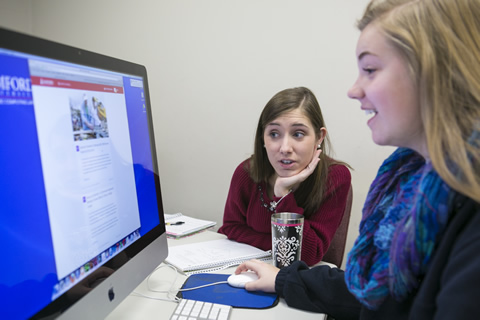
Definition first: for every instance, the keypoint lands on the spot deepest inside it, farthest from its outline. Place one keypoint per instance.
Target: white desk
(141, 308)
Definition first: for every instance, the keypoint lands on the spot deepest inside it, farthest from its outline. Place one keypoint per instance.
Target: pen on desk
(175, 223)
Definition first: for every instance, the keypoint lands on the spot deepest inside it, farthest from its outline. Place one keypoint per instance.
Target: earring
(319, 146)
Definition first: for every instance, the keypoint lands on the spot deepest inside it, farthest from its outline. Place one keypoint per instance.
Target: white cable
(205, 285)
(171, 290)
(173, 282)
(154, 298)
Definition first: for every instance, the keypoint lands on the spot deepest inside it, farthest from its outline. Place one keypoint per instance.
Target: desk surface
(137, 307)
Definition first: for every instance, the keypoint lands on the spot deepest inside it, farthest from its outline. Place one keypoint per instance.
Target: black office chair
(337, 246)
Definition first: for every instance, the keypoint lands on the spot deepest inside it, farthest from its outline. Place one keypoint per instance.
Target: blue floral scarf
(405, 213)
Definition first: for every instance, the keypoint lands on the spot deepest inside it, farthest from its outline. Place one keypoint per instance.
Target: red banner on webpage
(59, 83)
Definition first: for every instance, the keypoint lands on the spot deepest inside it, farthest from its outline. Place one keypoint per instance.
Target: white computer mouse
(239, 280)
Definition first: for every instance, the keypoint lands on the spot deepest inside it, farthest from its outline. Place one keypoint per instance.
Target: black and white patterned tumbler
(287, 232)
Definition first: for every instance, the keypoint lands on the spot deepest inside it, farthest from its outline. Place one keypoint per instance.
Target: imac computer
(81, 221)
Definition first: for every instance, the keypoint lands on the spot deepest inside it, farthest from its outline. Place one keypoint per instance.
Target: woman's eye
(299, 134)
(274, 134)
(369, 70)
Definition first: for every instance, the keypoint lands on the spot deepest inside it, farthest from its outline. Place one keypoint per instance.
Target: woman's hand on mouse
(266, 275)
(283, 185)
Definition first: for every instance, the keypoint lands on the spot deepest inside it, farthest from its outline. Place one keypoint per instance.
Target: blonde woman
(416, 256)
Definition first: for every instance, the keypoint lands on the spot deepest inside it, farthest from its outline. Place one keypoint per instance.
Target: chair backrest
(336, 250)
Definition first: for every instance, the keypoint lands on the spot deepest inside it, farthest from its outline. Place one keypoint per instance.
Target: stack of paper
(179, 225)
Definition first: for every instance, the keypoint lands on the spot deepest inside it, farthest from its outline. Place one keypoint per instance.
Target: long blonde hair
(440, 40)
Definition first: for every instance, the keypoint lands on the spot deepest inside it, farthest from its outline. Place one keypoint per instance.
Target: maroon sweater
(247, 220)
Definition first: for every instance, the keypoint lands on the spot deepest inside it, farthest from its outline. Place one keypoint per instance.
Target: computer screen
(81, 221)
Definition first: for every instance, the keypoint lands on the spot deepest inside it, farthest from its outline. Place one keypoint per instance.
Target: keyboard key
(197, 310)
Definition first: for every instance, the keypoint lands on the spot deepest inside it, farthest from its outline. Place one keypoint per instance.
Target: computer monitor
(81, 221)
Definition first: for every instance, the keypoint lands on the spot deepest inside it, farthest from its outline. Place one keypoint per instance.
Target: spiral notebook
(213, 255)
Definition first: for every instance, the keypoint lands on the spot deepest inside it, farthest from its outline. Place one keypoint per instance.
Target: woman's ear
(321, 135)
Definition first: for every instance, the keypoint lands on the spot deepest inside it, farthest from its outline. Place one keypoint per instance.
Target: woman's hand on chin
(283, 185)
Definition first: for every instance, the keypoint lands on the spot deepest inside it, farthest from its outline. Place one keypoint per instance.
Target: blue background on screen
(142, 156)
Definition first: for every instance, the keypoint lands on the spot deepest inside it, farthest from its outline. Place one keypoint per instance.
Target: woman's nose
(355, 92)
(286, 146)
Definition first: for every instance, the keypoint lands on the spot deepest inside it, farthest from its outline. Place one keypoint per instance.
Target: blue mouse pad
(224, 293)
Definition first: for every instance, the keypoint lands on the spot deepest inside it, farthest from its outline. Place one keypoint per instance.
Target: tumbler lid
(286, 218)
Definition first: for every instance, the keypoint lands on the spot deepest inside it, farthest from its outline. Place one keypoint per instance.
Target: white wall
(213, 64)
(16, 15)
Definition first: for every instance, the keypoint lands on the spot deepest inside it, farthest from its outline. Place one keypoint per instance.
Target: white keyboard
(198, 310)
